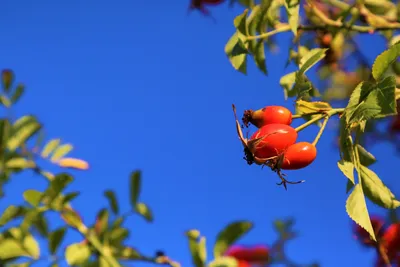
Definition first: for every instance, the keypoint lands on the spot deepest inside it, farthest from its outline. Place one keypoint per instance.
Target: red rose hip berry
(267, 115)
(273, 140)
(298, 156)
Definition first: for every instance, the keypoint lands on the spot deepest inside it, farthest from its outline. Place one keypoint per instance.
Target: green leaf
(366, 158)
(370, 100)
(224, 262)
(9, 214)
(40, 224)
(72, 218)
(356, 208)
(55, 239)
(240, 22)
(61, 151)
(229, 235)
(293, 8)
(197, 248)
(33, 197)
(20, 163)
(5, 101)
(69, 197)
(376, 190)
(237, 52)
(19, 91)
(23, 264)
(128, 253)
(310, 59)
(306, 107)
(18, 245)
(259, 57)
(50, 147)
(112, 199)
(384, 60)
(143, 210)
(118, 235)
(77, 254)
(30, 217)
(347, 169)
(22, 130)
(135, 187)
(287, 81)
(7, 78)
(101, 224)
(57, 185)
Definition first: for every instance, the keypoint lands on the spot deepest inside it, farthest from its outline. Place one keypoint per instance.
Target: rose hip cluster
(249, 256)
(388, 241)
(274, 143)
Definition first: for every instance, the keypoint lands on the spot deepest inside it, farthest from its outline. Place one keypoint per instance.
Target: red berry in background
(267, 115)
(199, 4)
(391, 239)
(395, 125)
(298, 156)
(254, 255)
(275, 138)
(363, 236)
(243, 264)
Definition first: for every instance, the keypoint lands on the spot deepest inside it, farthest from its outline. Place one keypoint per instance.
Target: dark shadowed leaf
(356, 208)
(55, 239)
(112, 199)
(366, 158)
(19, 91)
(229, 235)
(7, 79)
(101, 224)
(57, 185)
(135, 187)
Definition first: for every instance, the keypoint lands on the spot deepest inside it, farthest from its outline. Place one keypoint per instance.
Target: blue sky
(142, 85)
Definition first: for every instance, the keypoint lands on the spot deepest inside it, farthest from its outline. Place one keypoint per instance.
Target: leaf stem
(321, 130)
(330, 113)
(338, 25)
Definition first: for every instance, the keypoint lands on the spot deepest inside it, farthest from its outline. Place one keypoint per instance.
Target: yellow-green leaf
(20, 163)
(9, 214)
(384, 60)
(306, 107)
(366, 158)
(22, 130)
(50, 147)
(72, 218)
(56, 186)
(236, 51)
(229, 235)
(197, 248)
(310, 59)
(33, 197)
(347, 168)
(143, 210)
(376, 190)
(356, 208)
(293, 8)
(61, 151)
(77, 254)
(224, 262)
(18, 245)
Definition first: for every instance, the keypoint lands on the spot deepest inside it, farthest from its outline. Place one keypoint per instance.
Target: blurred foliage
(324, 42)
